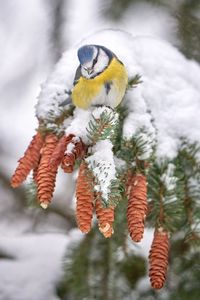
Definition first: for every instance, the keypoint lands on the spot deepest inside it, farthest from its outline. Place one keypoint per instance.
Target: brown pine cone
(78, 151)
(34, 176)
(46, 176)
(105, 218)
(158, 259)
(59, 151)
(137, 206)
(84, 198)
(29, 161)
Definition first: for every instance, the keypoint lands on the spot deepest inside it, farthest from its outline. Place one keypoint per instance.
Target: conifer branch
(134, 81)
(165, 210)
(104, 126)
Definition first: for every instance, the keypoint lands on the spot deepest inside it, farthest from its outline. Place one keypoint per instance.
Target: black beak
(89, 71)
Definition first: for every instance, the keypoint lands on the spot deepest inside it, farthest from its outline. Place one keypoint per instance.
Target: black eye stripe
(94, 61)
(96, 58)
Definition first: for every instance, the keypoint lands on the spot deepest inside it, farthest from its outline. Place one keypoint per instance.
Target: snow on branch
(102, 164)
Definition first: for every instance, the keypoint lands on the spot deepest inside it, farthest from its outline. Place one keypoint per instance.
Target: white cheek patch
(102, 62)
(95, 53)
(88, 65)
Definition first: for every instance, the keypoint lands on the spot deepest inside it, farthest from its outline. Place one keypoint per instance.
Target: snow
(81, 119)
(168, 177)
(102, 164)
(168, 92)
(120, 163)
(34, 269)
(97, 113)
(55, 90)
(138, 124)
(139, 19)
(86, 18)
(33, 266)
(79, 124)
(70, 148)
(170, 84)
(138, 116)
(146, 143)
(146, 19)
(144, 246)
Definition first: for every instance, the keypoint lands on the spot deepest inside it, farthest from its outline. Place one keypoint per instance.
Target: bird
(100, 79)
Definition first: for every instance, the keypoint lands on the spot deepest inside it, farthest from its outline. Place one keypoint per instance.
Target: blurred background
(33, 35)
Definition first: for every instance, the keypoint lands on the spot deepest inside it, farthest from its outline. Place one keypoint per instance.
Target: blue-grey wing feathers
(77, 75)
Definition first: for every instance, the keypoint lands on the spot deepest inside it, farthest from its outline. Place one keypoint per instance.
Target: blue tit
(101, 78)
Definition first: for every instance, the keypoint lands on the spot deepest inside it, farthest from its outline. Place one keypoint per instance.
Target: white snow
(54, 90)
(138, 124)
(102, 164)
(81, 118)
(168, 177)
(139, 19)
(168, 91)
(146, 142)
(34, 264)
(145, 19)
(135, 122)
(70, 148)
(35, 267)
(79, 124)
(120, 163)
(98, 111)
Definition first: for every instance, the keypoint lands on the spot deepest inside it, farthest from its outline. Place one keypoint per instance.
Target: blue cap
(85, 54)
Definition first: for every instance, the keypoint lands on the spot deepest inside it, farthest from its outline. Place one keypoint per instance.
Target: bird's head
(93, 60)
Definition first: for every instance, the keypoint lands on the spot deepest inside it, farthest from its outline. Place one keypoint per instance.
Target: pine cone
(105, 218)
(59, 151)
(137, 206)
(29, 161)
(84, 198)
(46, 176)
(69, 159)
(35, 171)
(158, 259)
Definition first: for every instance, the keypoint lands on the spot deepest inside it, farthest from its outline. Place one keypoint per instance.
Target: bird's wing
(76, 79)
(77, 75)
(67, 101)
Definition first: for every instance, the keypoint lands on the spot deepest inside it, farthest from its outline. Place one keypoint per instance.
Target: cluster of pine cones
(43, 157)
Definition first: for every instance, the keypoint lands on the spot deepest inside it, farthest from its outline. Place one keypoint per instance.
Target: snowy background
(33, 35)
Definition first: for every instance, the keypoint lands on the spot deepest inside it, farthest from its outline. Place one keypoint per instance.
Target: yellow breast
(86, 90)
